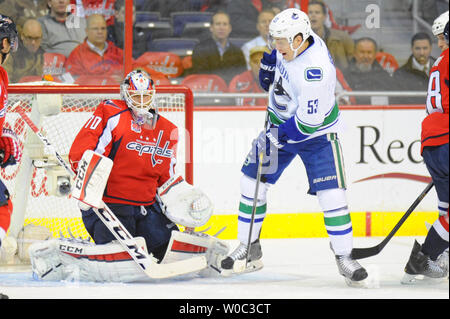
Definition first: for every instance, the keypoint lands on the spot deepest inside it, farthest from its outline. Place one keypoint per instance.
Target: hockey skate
(235, 262)
(421, 269)
(352, 271)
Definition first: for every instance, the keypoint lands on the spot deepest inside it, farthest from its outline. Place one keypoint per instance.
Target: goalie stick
(144, 261)
(360, 253)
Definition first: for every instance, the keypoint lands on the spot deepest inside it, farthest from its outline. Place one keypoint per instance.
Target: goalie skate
(420, 269)
(235, 263)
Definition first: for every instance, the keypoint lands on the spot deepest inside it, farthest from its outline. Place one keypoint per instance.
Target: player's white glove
(185, 204)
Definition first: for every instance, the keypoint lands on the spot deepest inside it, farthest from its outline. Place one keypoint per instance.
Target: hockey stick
(144, 261)
(359, 253)
(255, 198)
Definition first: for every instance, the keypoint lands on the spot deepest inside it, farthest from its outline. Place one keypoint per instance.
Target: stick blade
(360, 253)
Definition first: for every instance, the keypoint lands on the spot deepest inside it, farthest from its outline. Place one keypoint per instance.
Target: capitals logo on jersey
(153, 148)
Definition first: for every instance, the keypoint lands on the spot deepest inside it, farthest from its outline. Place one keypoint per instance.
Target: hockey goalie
(125, 157)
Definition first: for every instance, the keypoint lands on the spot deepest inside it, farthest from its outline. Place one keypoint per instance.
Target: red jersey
(435, 127)
(245, 83)
(3, 96)
(144, 159)
(84, 61)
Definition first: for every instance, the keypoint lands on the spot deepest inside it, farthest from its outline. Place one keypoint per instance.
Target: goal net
(38, 186)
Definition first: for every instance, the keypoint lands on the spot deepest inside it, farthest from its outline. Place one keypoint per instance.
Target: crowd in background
(82, 41)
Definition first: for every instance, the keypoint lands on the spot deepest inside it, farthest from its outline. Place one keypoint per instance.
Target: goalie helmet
(288, 24)
(138, 92)
(439, 24)
(8, 30)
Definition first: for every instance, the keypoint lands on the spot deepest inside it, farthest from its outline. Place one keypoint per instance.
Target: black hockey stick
(255, 198)
(359, 253)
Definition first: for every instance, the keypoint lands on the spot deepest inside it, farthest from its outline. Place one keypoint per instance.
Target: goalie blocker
(75, 259)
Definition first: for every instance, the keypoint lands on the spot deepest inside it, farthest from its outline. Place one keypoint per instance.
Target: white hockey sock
(245, 217)
(339, 228)
(248, 185)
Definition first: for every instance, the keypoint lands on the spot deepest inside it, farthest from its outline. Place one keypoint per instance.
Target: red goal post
(34, 182)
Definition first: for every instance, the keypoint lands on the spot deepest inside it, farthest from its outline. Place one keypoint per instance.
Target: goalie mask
(138, 92)
(288, 24)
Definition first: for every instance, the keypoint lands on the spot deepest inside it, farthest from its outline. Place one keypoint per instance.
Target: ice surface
(294, 269)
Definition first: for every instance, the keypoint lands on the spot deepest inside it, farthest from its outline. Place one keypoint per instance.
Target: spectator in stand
(217, 55)
(96, 56)
(248, 81)
(264, 18)
(365, 73)
(414, 74)
(339, 43)
(61, 30)
(22, 10)
(116, 34)
(244, 15)
(29, 57)
(85, 8)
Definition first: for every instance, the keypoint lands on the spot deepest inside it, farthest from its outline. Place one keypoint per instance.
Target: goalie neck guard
(138, 91)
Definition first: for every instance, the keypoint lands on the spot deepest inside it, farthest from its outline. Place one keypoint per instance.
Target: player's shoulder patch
(313, 74)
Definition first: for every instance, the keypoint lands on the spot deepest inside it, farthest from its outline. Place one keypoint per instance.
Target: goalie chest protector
(143, 158)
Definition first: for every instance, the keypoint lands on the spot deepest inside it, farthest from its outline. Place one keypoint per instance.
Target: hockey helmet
(288, 24)
(138, 91)
(446, 32)
(8, 30)
(439, 24)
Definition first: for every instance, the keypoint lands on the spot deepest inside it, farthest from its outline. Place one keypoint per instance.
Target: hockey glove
(267, 69)
(10, 151)
(285, 136)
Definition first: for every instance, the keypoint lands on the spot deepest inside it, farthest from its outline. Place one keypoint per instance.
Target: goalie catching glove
(183, 203)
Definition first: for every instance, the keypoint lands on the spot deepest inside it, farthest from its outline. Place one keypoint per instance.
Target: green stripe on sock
(338, 220)
(248, 209)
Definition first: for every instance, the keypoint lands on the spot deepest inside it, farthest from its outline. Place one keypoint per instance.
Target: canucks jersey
(144, 159)
(302, 95)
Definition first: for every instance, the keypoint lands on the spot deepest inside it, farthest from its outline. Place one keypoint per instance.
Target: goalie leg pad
(184, 245)
(78, 260)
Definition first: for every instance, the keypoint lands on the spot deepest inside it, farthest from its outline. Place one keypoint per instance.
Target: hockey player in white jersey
(304, 120)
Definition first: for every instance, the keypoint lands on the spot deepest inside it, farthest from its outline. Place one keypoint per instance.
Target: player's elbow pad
(185, 204)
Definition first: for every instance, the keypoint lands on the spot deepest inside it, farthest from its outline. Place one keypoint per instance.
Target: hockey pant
(436, 159)
(141, 221)
(322, 157)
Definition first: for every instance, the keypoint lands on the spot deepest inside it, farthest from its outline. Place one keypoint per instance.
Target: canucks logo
(313, 74)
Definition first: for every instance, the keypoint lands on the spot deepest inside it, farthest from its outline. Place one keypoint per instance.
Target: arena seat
(179, 20)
